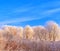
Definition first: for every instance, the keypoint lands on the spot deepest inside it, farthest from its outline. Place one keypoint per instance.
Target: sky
(29, 12)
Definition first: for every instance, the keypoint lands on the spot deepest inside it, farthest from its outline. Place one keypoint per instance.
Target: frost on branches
(35, 38)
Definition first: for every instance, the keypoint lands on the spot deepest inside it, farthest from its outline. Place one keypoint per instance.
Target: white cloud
(20, 20)
(52, 11)
(21, 10)
(24, 19)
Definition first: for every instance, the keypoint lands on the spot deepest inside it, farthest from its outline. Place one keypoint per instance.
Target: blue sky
(29, 12)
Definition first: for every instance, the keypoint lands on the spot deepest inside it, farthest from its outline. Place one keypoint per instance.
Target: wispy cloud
(24, 19)
(21, 9)
(20, 20)
(52, 11)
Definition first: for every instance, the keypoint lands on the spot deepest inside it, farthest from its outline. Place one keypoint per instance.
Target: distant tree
(28, 32)
(53, 30)
(40, 33)
(37, 34)
(20, 31)
(11, 29)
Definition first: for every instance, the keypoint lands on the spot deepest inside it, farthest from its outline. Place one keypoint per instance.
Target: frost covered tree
(20, 31)
(37, 33)
(10, 29)
(28, 32)
(53, 30)
(9, 32)
(2, 40)
(40, 33)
